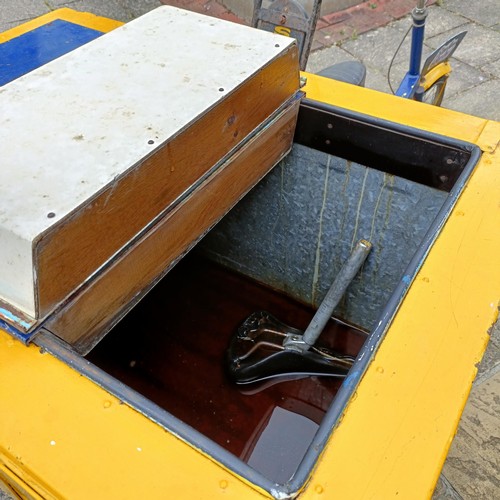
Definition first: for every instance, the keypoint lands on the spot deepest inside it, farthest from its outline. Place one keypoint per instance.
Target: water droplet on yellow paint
(425, 279)
(107, 404)
(223, 484)
(380, 369)
(139, 449)
(52, 443)
(319, 489)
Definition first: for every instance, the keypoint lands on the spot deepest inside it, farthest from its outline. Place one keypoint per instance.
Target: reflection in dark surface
(171, 349)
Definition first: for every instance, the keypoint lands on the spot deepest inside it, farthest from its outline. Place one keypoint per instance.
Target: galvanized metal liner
(267, 237)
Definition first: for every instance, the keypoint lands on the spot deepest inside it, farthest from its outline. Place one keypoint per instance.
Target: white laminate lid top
(73, 125)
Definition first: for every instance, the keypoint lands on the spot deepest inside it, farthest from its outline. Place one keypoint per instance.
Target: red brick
(316, 44)
(213, 8)
(365, 20)
(321, 24)
(229, 16)
(333, 34)
(319, 37)
(336, 17)
(192, 5)
(347, 23)
(183, 4)
(396, 8)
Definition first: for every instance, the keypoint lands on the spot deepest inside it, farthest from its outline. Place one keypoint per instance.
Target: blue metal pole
(410, 81)
(417, 39)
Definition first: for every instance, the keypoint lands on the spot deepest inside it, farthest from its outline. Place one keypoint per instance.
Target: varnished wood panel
(180, 333)
(102, 141)
(73, 250)
(84, 320)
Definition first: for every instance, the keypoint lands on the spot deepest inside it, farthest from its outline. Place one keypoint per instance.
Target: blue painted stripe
(18, 334)
(40, 46)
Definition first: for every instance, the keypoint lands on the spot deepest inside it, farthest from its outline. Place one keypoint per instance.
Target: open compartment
(348, 177)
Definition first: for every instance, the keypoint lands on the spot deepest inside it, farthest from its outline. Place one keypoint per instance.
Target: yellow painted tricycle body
(63, 436)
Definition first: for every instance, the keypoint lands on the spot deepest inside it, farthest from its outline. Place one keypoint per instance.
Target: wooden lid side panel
(84, 321)
(78, 129)
(76, 248)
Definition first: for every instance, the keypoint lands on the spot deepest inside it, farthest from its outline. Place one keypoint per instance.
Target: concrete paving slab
(495, 334)
(463, 77)
(5, 492)
(372, 47)
(398, 71)
(18, 11)
(326, 57)
(445, 490)
(492, 68)
(121, 10)
(377, 80)
(485, 12)
(376, 76)
(479, 47)
(490, 364)
(474, 459)
(438, 21)
(8, 26)
(486, 106)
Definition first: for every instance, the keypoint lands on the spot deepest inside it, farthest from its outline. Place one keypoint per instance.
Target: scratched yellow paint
(62, 436)
(66, 437)
(395, 434)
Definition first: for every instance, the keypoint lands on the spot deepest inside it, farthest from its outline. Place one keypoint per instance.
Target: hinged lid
(100, 143)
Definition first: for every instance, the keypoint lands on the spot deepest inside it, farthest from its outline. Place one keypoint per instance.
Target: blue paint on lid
(23, 337)
(406, 279)
(40, 46)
